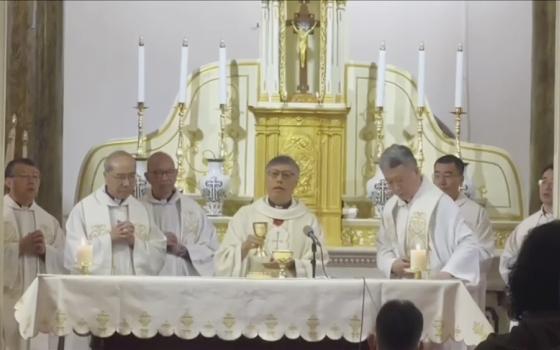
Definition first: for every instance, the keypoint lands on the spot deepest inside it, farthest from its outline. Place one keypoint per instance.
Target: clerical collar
(29, 206)
(285, 206)
(166, 200)
(544, 212)
(116, 200)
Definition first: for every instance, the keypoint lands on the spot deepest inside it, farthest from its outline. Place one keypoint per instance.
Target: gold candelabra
(420, 130)
(379, 132)
(181, 173)
(141, 151)
(458, 112)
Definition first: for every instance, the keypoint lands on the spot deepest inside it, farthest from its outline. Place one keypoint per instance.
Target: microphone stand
(313, 260)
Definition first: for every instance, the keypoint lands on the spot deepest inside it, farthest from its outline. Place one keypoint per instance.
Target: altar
(304, 310)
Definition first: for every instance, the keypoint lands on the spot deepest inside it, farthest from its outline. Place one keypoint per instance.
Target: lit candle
(418, 259)
(421, 74)
(183, 72)
(85, 254)
(380, 87)
(141, 75)
(223, 88)
(459, 78)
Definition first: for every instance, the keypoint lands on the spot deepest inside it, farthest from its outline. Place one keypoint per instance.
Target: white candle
(141, 73)
(85, 254)
(223, 74)
(459, 78)
(418, 259)
(421, 74)
(380, 87)
(183, 72)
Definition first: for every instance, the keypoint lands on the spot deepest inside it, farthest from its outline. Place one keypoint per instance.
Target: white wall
(100, 62)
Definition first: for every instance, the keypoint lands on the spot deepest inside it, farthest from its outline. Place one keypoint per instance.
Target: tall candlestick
(380, 87)
(223, 87)
(141, 73)
(421, 74)
(459, 78)
(418, 259)
(183, 72)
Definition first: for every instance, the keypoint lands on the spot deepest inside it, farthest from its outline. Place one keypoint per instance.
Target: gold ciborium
(283, 258)
(260, 229)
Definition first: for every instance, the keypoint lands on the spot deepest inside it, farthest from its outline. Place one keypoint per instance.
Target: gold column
(34, 93)
(3, 34)
(316, 139)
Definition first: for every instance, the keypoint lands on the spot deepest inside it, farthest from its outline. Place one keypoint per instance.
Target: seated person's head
(398, 326)
(535, 277)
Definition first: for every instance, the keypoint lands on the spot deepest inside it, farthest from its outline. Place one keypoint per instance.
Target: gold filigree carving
(323, 51)
(283, 90)
(358, 236)
(501, 238)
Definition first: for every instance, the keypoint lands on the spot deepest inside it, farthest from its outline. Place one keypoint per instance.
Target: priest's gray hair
(283, 160)
(108, 164)
(396, 155)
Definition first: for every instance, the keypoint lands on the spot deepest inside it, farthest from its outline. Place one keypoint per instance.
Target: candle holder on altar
(418, 254)
(459, 113)
(420, 132)
(141, 148)
(85, 258)
(380, 134)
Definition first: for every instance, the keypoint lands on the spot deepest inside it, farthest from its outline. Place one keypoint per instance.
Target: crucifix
(303, 24)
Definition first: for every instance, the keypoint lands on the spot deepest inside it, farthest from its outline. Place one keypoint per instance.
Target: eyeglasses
(28, 177)
(285, 175)
(161, 173)
(122, 177)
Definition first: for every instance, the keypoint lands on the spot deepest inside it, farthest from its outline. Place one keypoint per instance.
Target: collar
(115, 200)
(13, 204)
(171, 199)
(286, 206)
(545, 213)
(461, 199)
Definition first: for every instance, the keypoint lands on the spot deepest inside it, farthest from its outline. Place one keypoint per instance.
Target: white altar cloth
(230, 307)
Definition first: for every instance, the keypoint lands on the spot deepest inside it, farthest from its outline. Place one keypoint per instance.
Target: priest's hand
(399, 267)
(252, 242)
(123, 232)
(33, 244)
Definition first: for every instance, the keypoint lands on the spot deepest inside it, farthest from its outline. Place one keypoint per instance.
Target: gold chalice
(283, 258)
(260, 229)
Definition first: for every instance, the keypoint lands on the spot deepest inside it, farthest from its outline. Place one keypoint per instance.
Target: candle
(418, 259)
(421, 74)
(183, 72)
(85, 254)
(223, 89)
(459, 78)
(141, 76)
(380, 87)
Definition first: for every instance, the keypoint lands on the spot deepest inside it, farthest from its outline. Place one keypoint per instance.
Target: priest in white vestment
(541, 216)
(191, 237)
(33, 244)
(420, 213)
(449, 177)
(285, 218)
(124, 239)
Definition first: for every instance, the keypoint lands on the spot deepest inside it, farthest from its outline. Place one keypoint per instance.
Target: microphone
(308, 230)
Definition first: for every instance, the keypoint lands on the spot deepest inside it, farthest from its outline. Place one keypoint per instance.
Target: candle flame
(460, 47)
(185, 42)
(83, 242)
(382, 47)
(418, 246)
(421, 48)
(141, 41)
(222, 43)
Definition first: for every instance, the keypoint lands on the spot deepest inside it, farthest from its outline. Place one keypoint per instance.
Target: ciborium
(283, 258)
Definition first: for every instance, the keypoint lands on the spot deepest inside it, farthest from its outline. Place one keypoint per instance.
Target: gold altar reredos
(334, 141)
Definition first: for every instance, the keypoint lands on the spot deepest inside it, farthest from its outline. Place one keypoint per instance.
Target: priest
(449, 177)
(420, 215)
(191, 238)
(124, 239)
(285, 218)
(33, 243)
(540, 217)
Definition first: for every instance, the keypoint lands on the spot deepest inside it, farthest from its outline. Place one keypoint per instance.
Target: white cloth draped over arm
(228, 260)
(76, 235)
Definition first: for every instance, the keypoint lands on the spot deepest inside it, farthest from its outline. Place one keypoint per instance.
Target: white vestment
(477, 219)
(516, 238)
(431, 214)
(92, 220)
(287, 235)
(20, 271)
(183, 217)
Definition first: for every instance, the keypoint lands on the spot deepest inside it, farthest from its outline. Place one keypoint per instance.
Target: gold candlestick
(181, 173)
(458, 112)
(380, 135)
(420, 131)
(141, 151)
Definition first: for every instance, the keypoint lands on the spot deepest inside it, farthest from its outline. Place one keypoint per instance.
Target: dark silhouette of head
(398, 326)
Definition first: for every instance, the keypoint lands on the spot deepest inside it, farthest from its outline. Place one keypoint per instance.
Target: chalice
(283, 258)
(260, 229)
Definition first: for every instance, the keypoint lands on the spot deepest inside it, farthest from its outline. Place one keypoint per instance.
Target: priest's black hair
(451, 159)
(283, 159)
(534, 280)
(10, 168)
(398, 326)
(547, 168)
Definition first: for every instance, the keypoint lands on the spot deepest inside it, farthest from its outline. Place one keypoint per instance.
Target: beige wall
(100, 62)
